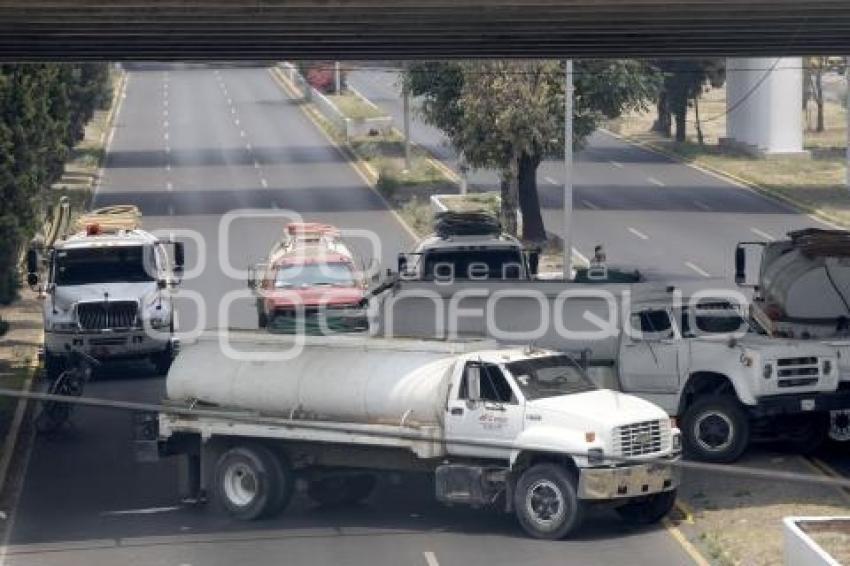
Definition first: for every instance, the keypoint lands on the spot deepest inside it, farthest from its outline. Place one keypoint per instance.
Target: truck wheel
(546, 502)
(650, 510)
(810, 434)
(252, 482)
(716, 429)
(53, 366)
(162, 362)
(341, 490)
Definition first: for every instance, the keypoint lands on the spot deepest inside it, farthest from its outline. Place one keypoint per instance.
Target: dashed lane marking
(702, 205)
(638, 233)
(656, 182)
(430, 558)
(264, 183)
(169, 186)
(616, 164)
(762, 234)
(145, 511)
(589, 204)
(697, 269)
(551, 181)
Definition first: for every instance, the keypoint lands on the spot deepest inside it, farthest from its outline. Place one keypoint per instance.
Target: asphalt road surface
(192, 144)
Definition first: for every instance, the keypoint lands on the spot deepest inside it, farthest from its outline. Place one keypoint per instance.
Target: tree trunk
(507, 215)
(697, 123)
(681, 116)
(533, 229)
(663, 123)
(819, 97)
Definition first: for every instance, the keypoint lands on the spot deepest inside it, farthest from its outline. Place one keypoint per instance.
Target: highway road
(192, 144)
(646, 209)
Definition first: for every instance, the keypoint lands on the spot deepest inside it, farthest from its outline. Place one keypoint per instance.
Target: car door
(650, 354)
(483, 407)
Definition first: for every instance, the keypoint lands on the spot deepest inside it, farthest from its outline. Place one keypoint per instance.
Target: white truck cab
(108, 292)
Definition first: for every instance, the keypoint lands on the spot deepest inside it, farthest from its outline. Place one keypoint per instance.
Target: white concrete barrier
(800, 548)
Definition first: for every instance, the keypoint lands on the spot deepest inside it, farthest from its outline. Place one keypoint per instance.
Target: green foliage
(683, 81)
(43, 112)
(509, 115)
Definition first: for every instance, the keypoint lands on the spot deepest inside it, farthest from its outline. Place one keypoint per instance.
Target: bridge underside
(416, 29)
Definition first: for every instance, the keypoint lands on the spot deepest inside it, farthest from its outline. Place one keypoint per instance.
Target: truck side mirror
(740, 266)
(32, 262)
(533, 261)
(179, 256)
(473, 383)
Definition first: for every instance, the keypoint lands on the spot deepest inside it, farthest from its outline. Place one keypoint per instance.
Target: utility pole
(568, 169)
(847, 115)
(406, 103)
(337, 78)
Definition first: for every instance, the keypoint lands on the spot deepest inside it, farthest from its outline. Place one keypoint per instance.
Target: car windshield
(337, 274)
(471, 264)
(551, 376)
(114, 264)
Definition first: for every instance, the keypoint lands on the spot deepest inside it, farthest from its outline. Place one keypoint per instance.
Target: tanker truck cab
(519, 429)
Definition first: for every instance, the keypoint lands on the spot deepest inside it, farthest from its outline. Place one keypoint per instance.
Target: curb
(797, 205)
(366, 172)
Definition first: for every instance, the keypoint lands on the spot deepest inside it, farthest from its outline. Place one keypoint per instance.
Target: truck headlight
(767, 371)
(827, 367)
(595, 456)
(676, 443)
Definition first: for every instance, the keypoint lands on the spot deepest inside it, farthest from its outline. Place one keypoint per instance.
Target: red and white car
(312, 278)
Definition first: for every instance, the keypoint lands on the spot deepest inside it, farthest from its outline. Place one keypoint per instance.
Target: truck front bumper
(627, 481)
(802, 403)
(109, 345)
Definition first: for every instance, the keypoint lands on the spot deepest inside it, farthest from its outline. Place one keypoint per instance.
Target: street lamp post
(568, 169)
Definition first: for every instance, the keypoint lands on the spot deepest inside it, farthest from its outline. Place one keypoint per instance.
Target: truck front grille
(797, 372)
(639, 439)
(107, 315)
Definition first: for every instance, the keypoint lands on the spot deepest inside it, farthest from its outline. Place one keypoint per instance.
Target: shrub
(4, 327)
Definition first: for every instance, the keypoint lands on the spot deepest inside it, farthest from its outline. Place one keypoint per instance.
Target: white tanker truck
(519, 428)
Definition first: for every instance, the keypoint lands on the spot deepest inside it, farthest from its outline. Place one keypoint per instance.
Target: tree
(509, 116)
(43, 111)
(682, 83)
(813, 70)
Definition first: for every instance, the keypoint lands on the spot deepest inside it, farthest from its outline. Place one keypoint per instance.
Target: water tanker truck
(519, 428)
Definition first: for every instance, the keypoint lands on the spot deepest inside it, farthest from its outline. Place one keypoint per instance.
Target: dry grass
(817, 184)
(353, 106)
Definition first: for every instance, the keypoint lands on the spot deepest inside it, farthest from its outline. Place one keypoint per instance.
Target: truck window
(472, 264)
(713, 318)
(551, 376)
(336, 274)
(653, 324)
(114, 264)
(494, 387)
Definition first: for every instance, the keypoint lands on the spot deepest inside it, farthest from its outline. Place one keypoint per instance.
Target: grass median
(815, 184)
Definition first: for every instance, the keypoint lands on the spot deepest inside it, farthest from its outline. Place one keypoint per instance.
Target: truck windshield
(472, 264)
(712, 318)
(117, 264)
(337, 274)
(549, 377)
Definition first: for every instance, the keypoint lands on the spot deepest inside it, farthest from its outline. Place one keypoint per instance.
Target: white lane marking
(551, 180)
(168, 166)
(256, 165)
(616, 164)
(236, 121)
(165, 135)
(169, 186)
(638, 233)
(147, 511)
(589, 204)
(430, 558)
(698, 269)
(230, 103)
(702, 205)
(762, 234)
(165, 112)
(165, 124)
(656, 182)
(242, 133)
(264, 183)
(248, 147)
(233, 110)
(165, 103)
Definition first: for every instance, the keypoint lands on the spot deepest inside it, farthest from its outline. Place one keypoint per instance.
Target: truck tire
(715, 429)
(809, 435)
(650, 510)
(162, 361)
(252, 482)
(53, 366)
(341, 490)
(546, 502)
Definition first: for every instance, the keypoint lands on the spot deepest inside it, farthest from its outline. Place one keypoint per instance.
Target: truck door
(649, 358)
(483, 407)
